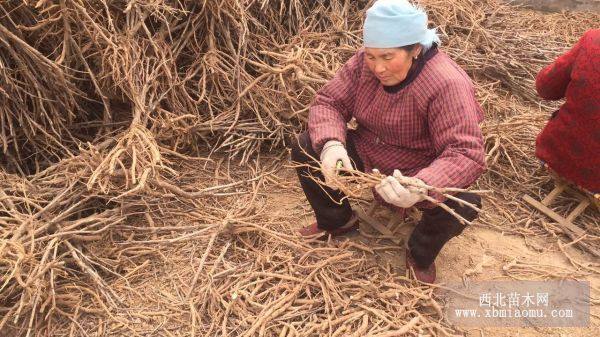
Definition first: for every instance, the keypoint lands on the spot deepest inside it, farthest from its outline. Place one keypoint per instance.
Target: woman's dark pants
(435, 228)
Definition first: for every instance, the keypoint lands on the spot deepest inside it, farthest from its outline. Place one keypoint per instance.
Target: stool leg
(579, 209)
(553, 215)
(372, 208)
(558, 189)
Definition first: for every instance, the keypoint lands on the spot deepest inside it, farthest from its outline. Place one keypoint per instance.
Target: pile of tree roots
(138, 138)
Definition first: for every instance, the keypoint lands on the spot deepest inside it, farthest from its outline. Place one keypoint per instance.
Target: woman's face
(390, 65)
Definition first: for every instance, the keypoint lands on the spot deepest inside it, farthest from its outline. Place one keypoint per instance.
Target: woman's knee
(465, 211)
(302, 150)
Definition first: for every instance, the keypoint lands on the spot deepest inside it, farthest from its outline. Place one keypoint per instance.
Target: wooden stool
(388, 231)
(585, 198)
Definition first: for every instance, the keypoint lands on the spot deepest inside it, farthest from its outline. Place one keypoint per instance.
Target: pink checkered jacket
(429, 129)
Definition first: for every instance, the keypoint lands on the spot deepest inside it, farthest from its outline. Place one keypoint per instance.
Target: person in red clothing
(417, 116)
(570, 143)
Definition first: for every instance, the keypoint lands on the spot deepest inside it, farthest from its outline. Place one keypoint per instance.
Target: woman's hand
(332, 153)
(394, 193)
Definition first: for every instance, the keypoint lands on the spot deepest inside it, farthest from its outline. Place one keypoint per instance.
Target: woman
(570, 143)
(417, 116)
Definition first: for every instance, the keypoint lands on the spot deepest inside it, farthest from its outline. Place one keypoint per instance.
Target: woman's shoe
(313, 229)
(426, 275)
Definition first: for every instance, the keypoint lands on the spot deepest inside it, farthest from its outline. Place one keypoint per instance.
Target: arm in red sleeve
(333, 105)
(552, 81)
(453, 118)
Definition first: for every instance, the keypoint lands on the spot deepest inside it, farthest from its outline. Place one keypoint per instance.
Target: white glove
(334, 151)
(394, 193)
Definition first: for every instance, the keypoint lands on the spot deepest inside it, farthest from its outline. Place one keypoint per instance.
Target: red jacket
(570, 142)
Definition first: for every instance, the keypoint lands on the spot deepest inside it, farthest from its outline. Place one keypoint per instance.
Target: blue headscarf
(397, 23)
